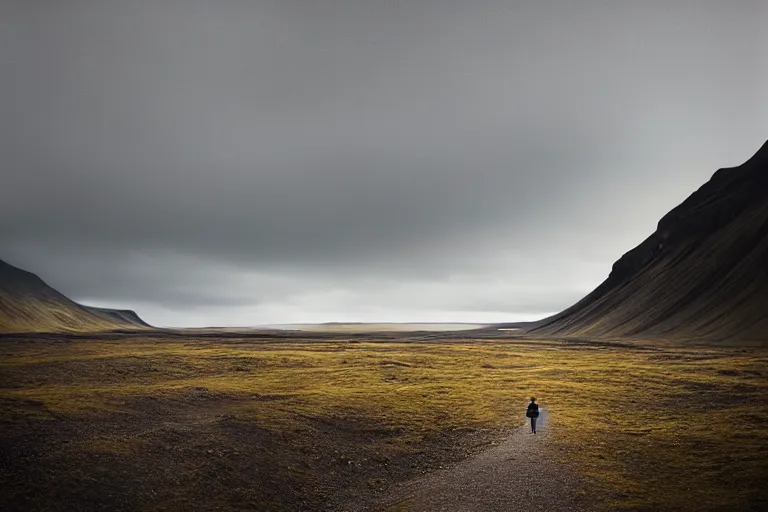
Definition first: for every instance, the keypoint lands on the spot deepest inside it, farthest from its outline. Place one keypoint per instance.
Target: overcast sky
(256, 162)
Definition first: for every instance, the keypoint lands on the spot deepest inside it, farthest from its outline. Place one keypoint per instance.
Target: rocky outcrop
(702, 275)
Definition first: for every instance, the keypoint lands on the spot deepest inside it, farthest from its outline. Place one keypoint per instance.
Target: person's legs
(533, 425)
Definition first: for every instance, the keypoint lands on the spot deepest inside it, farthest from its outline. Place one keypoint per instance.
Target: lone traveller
(533, 413)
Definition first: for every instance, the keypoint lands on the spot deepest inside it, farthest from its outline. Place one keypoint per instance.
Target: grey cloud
(259, 154)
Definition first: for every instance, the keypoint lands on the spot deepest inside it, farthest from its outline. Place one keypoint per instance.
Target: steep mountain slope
(27, 304)
(702, 275)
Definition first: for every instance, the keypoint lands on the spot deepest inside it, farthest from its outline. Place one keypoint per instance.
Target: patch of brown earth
(184, 451)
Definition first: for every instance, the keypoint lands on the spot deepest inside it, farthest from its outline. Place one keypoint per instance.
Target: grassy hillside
(28, 304)
(702, 275)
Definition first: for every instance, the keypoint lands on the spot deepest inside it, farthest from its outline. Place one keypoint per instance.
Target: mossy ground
(296, 423)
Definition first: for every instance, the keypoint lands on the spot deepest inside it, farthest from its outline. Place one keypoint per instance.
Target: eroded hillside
(702, 275)
(28, 304)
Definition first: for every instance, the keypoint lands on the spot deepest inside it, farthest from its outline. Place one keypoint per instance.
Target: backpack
(533, 411)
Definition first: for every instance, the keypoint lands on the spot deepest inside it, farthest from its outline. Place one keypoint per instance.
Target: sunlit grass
(669, 428)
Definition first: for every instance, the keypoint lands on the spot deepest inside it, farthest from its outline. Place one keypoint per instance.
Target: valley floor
(348, 421)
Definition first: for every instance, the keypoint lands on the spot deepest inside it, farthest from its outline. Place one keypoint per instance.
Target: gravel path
(518, 474)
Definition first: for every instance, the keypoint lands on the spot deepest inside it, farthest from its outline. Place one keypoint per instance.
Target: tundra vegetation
(317, 421)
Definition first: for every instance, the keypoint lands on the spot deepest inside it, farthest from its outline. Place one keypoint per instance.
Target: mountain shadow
(703, 275)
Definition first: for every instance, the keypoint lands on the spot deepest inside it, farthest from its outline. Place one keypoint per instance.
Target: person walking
(533, 413)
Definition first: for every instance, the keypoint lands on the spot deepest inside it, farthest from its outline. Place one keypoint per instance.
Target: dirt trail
(519, 474)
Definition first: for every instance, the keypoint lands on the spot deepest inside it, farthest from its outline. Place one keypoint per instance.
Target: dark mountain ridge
(703, 274)
(28, 304)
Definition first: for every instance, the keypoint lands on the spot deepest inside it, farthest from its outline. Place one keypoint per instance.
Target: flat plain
(324, 421)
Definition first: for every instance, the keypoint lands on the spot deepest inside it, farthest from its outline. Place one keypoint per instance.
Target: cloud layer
(263, 162)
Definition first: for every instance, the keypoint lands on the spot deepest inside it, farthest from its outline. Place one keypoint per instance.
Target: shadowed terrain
(703, 275)
(328, 422)
(28, 304)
